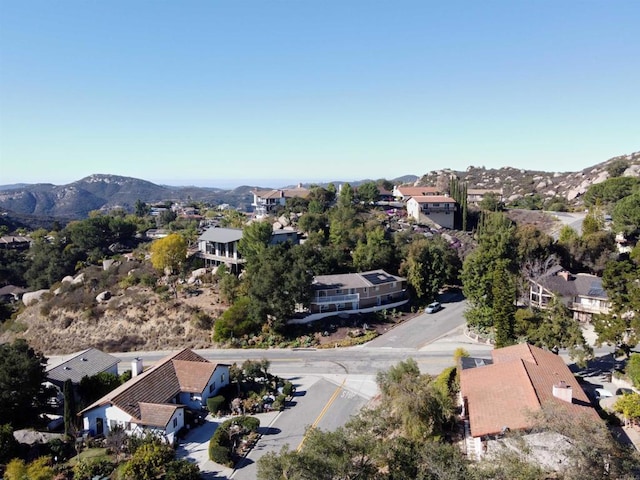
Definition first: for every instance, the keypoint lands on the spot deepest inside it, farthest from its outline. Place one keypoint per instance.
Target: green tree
(69, 408)
(559, 330)
(593, 222)
(376, 252)
(9, 446)
(149, 462)
(276, 283)
(621, 325)
(491, 202)
(611, 191)
(141, 209)
(429, 265)
(633, 369)
(504, 307)
(235, 322)
(22, 374)
(93, 387)
(168, 254)
(345, 198)
(629, 406)
(626, 215)
(368, 192)
(255, 239)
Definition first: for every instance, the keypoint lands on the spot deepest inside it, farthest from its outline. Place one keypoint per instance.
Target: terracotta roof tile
(518, 383)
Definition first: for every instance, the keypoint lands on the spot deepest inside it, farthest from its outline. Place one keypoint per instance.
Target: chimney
(563, 391)
(136, 367)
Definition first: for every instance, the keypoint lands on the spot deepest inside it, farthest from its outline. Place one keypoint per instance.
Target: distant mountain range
(95, 192)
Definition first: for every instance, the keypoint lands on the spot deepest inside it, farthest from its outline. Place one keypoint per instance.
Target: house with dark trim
(582, 293)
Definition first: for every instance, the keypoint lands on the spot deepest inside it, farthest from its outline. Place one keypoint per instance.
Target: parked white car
(602, 393)
(433, 307)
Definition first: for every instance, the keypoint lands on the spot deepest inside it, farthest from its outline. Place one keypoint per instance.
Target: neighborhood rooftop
(520, 380)
(561, 282)
(221, 235)
(82, 364)
(355, 280)
(184, 371)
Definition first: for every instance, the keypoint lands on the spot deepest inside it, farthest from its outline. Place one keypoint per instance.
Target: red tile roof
(418, 191)
(517, 384)
(433, 199)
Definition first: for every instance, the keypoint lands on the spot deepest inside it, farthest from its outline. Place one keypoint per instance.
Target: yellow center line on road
(322, 414)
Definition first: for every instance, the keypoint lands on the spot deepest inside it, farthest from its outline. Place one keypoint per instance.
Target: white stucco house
(155, 400)
(436, 209)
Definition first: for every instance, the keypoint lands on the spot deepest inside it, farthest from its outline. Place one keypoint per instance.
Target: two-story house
(370, 291)
(476, 195)
(582, 293)
(219, 246)
(155, 400)
(437, 209)
(265, 201)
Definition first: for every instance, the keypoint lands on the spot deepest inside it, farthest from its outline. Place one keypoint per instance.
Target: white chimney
(563, 391)
(136, 367)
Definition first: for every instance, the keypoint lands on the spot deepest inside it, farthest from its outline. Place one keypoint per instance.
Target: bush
(248, 423)
(220, 454)
(288, 389)
(86, 469)
(214, 404)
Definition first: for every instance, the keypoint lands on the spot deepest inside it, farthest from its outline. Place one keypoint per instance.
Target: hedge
(214, 404)
(220, 443)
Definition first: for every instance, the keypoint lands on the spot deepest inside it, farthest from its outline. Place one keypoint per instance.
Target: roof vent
(84, 359)
(67, 368)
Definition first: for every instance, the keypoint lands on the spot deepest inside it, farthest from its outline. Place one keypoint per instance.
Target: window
(212, 387)
(175, 423)
(222, 378)
(127, 426)
(112, 424)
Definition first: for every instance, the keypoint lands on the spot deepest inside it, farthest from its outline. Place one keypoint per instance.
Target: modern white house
(155, 400)
(437, 209)
(219, 246)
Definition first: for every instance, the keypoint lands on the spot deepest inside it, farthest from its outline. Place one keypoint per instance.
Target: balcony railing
(355, 297)
(582, 307)
(219, 258)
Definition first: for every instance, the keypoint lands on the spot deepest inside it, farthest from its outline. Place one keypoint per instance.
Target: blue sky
(269, 92)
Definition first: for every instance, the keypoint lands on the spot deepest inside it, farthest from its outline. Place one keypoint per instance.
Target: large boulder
(31, 298)
(103, 296)
(79, 280)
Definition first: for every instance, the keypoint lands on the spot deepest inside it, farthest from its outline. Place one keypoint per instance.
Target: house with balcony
(357, 292)
(582, 293)
(265, 201)
(155, 400)
(219, 246)
(435, 209)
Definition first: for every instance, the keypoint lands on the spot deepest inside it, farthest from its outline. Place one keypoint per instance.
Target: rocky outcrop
(31, 298)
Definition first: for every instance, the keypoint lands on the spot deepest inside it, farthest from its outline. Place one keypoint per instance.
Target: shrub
(220, 454)
(214, 404)
(288, 388)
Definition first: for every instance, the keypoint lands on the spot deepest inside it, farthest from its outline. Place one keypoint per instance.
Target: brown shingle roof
(518, 383)
(193, 376)
(159, 384)
(156, 415)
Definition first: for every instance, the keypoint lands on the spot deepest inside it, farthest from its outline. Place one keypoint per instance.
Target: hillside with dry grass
(138, 315)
